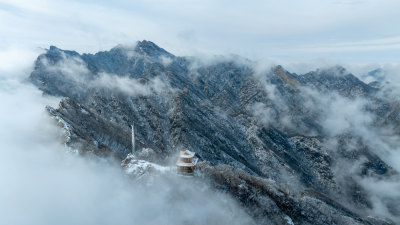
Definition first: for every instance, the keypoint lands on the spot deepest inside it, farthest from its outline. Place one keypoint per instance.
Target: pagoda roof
(186, 154)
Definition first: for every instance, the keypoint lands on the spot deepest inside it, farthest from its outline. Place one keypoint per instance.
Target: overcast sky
(347, 30)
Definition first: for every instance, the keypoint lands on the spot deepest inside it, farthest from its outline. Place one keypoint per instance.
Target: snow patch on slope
(137, 167)
(66, 126)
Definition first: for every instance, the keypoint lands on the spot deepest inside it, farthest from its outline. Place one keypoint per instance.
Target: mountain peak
(54, 51)
(377, 74)
(148, 48)
(336, 70)
(147, 44)
(285, 75)
(53, 48)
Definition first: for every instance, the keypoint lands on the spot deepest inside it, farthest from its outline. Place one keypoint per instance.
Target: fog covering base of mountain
(275, 147)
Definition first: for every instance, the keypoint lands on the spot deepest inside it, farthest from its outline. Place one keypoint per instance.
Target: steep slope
(270, 124)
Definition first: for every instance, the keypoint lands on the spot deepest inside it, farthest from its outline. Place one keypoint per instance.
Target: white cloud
(17, 55)
(391, 43)
(343, 115)
(278, 29)
(132, 86)
(75, 69)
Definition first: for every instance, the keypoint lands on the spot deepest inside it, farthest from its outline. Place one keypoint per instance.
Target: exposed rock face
(265, 197)
(90, 132)
(270, 125)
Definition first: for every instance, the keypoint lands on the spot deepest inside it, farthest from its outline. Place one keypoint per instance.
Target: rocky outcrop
(89, 132)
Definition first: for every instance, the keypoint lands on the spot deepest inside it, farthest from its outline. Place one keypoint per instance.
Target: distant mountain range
(279, 142)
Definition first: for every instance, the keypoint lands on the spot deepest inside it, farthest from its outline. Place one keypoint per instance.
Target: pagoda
(186, 162)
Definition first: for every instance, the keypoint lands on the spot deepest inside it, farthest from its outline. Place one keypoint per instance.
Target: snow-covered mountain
(290, 148)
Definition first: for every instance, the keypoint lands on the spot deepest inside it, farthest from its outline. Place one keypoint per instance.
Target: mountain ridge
(268, 124)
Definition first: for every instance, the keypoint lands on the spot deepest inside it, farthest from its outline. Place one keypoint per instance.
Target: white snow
(67, 127)
(84, 111)
(187, 154)
(289, 220)
(141, 167)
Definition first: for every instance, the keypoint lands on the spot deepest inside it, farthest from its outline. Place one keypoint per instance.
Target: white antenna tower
(133, 139)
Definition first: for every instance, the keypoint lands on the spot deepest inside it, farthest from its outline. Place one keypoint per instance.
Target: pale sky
(361, 31)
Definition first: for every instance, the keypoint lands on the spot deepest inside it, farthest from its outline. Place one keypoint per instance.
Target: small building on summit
(186, 162)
